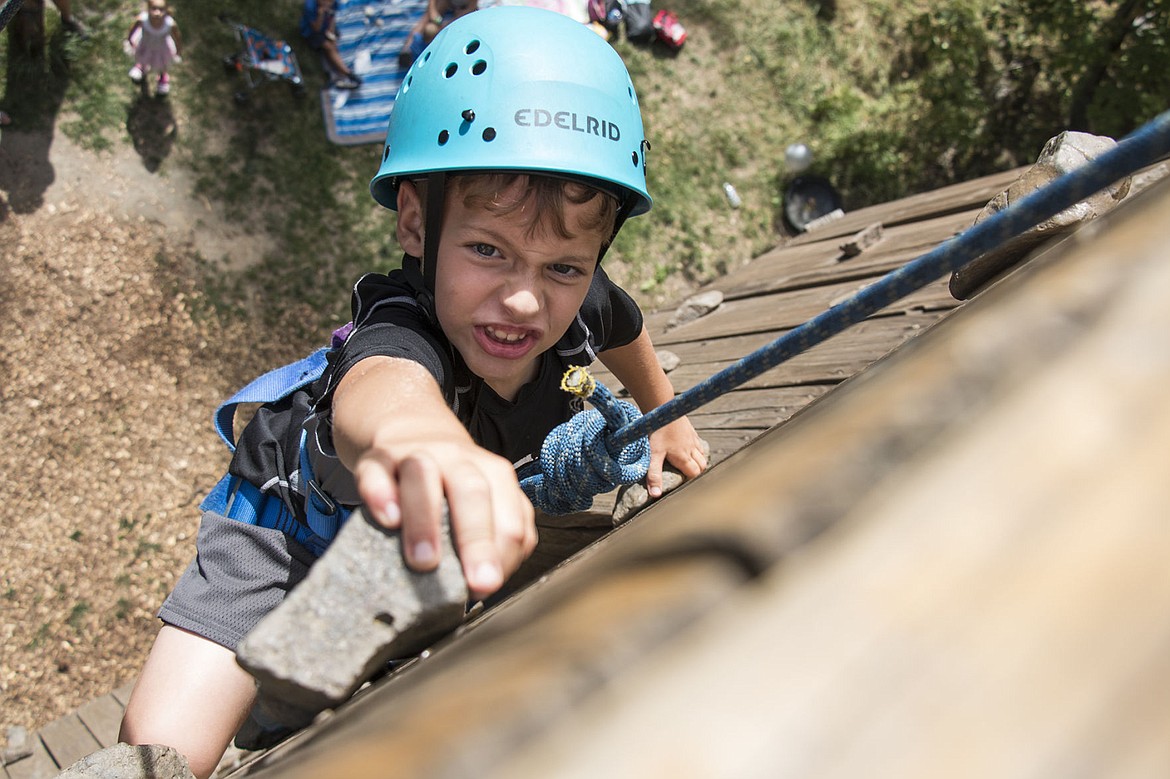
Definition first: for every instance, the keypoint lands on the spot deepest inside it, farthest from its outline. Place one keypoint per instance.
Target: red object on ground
(669, 29)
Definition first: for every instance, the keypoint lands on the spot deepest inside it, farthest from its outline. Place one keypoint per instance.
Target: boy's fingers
(421, 498)
(473, 527)
(654, 474)
(378, 492)
(515, 523)
(692, 464)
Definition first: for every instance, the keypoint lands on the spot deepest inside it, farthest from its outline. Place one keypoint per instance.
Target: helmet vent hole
(634, 158)
(489, 134)
(472, 47)
(444, 136)
(406, 84)
(450, 70)
(478, 68)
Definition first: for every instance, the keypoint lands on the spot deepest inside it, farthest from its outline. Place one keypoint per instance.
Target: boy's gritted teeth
(506, 342)
(504, 335)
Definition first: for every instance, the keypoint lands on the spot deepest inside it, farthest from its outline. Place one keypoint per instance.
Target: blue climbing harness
(243, 501)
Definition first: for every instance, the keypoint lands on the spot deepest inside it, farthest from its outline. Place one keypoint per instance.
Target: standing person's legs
(65, 8)
(192, 696)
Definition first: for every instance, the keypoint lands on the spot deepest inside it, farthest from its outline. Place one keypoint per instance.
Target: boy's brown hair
(546, 195)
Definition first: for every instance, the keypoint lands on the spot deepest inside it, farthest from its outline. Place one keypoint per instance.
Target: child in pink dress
(154, 43)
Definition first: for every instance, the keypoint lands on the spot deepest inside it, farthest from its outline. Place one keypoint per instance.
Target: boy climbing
(514, 154)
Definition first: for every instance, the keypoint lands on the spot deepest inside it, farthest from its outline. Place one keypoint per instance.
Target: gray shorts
(239, 574)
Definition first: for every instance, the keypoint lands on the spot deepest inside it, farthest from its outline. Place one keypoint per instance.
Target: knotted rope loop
(578, 459)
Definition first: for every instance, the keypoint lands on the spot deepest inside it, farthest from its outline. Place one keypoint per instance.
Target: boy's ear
(410, 219)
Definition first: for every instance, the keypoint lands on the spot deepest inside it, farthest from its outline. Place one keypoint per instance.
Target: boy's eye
(485, 250)
(564, 269)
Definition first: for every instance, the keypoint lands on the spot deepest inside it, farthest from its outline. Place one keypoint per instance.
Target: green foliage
(980, 85)
(893, 98)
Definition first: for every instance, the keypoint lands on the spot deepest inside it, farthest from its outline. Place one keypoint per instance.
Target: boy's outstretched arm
(636, 366)
(408, 451)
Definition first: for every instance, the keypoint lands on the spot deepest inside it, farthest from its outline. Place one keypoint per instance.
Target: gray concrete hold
(1063, 153)
(359, 607)
(18, 746)
(862, 240)
(695, 306)
(668, 360)
(122, 761)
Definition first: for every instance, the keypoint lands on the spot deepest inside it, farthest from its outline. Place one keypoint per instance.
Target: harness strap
(274, 385)
(324, 514)
(242, 501)
(278, 383)
(239, 499)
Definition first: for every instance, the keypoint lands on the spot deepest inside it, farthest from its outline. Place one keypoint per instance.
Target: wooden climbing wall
(953, 565)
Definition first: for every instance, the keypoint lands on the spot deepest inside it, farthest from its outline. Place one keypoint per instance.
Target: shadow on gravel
(33, 91)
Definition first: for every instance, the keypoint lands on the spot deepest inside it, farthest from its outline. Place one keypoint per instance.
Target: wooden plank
(725, 443)
(831, 361)
(38, 765)
(555, 545)
(68, 740)
(754, 409)
(821, 263)
(103, 717)
(874, 334)
(122, 693)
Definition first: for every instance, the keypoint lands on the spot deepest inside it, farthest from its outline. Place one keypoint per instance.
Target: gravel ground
(109, 381)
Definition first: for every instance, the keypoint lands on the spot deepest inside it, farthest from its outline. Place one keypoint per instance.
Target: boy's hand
(492, 522)
(409, 455)
(680, 444)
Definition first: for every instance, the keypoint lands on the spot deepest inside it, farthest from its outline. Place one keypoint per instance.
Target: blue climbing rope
(579, 459)
(1142, 147)
(8, 10)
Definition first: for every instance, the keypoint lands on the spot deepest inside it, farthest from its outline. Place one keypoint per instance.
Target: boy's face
(505, 293)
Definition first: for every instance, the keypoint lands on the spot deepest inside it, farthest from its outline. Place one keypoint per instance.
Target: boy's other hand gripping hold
(405, 465)
(636, 366)
(678, 444)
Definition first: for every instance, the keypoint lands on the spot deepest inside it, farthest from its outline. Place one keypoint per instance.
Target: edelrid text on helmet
(568, 120)
(518, 89)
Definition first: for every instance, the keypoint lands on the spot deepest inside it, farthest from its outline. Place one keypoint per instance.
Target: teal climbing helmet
(511, 88)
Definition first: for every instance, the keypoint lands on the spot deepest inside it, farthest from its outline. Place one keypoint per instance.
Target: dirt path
(110, 376)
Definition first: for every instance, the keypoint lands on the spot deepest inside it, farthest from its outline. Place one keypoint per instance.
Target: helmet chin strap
(436, 197)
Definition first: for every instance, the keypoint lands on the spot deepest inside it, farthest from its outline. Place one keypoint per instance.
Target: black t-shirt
(390, 320)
